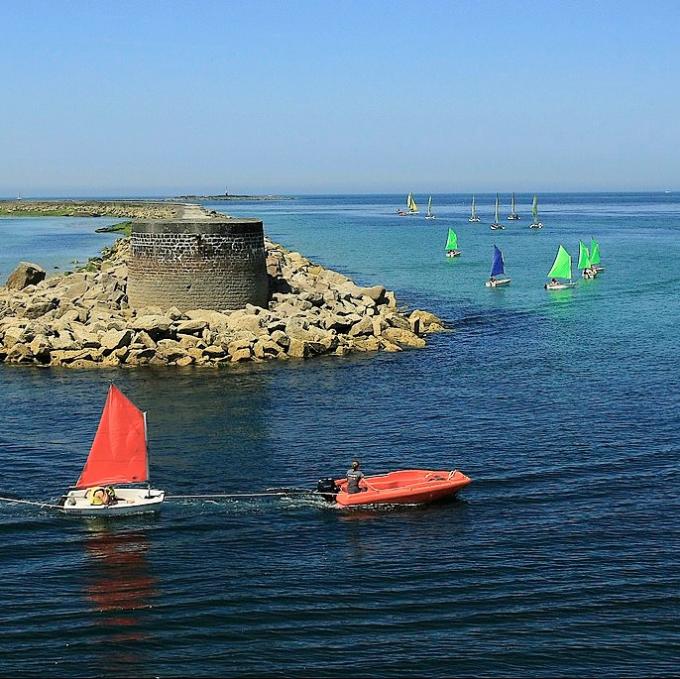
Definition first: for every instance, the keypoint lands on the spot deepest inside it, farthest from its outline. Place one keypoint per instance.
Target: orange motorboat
(408, 486)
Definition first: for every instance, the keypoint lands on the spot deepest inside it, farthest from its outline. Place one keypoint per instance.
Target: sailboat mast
(497, 207)
(146, 442)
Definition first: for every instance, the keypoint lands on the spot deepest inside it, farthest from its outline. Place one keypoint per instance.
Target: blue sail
(497, 266)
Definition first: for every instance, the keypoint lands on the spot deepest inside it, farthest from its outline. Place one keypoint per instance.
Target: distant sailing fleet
(560, 274)
(412, 209)
(589, 262)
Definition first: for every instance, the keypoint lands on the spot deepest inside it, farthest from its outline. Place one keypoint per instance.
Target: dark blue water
(560, 559)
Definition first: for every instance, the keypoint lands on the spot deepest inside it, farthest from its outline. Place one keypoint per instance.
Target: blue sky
(106, 98)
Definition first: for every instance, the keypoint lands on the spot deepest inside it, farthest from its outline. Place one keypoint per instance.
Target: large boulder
(363, 327)
(192, 326)
(375, 293)
(403, 338)
(425, 319)
(241, 320)
(25, 274)
(39, 307)
(154, 325)
(115, 339)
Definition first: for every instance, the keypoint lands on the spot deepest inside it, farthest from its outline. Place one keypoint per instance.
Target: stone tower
(217, 263)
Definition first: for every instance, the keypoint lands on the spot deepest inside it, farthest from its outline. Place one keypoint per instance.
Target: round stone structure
(198, 264)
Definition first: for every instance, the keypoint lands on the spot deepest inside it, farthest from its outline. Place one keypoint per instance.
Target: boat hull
(130, 501)
(409, 486)
(499, 282)
(496, 227)
(559, 286)
(474, 220)
(453, 253)
(536, 226)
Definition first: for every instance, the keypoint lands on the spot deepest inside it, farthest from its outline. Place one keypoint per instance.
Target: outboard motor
(328, 489)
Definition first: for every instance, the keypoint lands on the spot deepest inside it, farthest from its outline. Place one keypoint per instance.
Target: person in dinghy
(355, 478)
(115, 478)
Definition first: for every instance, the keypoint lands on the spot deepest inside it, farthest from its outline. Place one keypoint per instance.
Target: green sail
(594, 251)
(452, 242)
(561, 267)
(534, 208)
(583, 256)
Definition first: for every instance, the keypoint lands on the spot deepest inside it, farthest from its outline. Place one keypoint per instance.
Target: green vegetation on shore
(124, 227)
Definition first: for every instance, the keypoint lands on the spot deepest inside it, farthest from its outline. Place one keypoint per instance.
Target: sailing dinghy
(429, 214)
(513, 216)
(412, 207)
(473, 214)
(497, 226)
(408, 486)
(497, 269)
(584, 262)
(536, 223)
(452, 244)
(561, 269)
(595, 256)
(115, 478)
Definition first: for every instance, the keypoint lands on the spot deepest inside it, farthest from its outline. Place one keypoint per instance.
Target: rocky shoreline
(82, 319)
(128, 209)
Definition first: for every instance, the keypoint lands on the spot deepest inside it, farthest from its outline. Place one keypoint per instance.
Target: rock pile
(82, 319)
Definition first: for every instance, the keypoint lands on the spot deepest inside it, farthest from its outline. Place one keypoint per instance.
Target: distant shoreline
(232, 197)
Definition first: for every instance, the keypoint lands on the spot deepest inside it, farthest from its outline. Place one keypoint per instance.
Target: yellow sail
(412, 204)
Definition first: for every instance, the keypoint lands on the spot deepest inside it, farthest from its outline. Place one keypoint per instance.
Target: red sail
(118, 453)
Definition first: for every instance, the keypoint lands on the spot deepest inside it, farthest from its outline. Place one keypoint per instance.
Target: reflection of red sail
(118, 453)
(119, 585)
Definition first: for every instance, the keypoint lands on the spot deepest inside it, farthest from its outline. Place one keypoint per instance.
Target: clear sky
(158, 97)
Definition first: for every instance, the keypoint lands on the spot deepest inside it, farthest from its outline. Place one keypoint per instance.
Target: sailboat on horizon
(497, 226)
(497, 269)
(429, 214)
(561, 269)
(536, 223)
(473, 214)
(513, 216)
(411, 207)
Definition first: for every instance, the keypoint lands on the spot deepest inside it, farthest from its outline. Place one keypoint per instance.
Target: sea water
(559, 559)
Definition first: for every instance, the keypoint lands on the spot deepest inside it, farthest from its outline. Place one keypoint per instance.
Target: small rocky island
(83, 319)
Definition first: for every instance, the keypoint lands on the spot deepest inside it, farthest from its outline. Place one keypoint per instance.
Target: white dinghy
(115, 478)
(560, 273)
(497, 269)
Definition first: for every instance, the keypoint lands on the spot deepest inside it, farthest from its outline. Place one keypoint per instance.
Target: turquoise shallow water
(560, 559)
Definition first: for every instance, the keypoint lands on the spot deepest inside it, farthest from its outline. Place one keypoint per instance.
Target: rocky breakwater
(83, 319)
